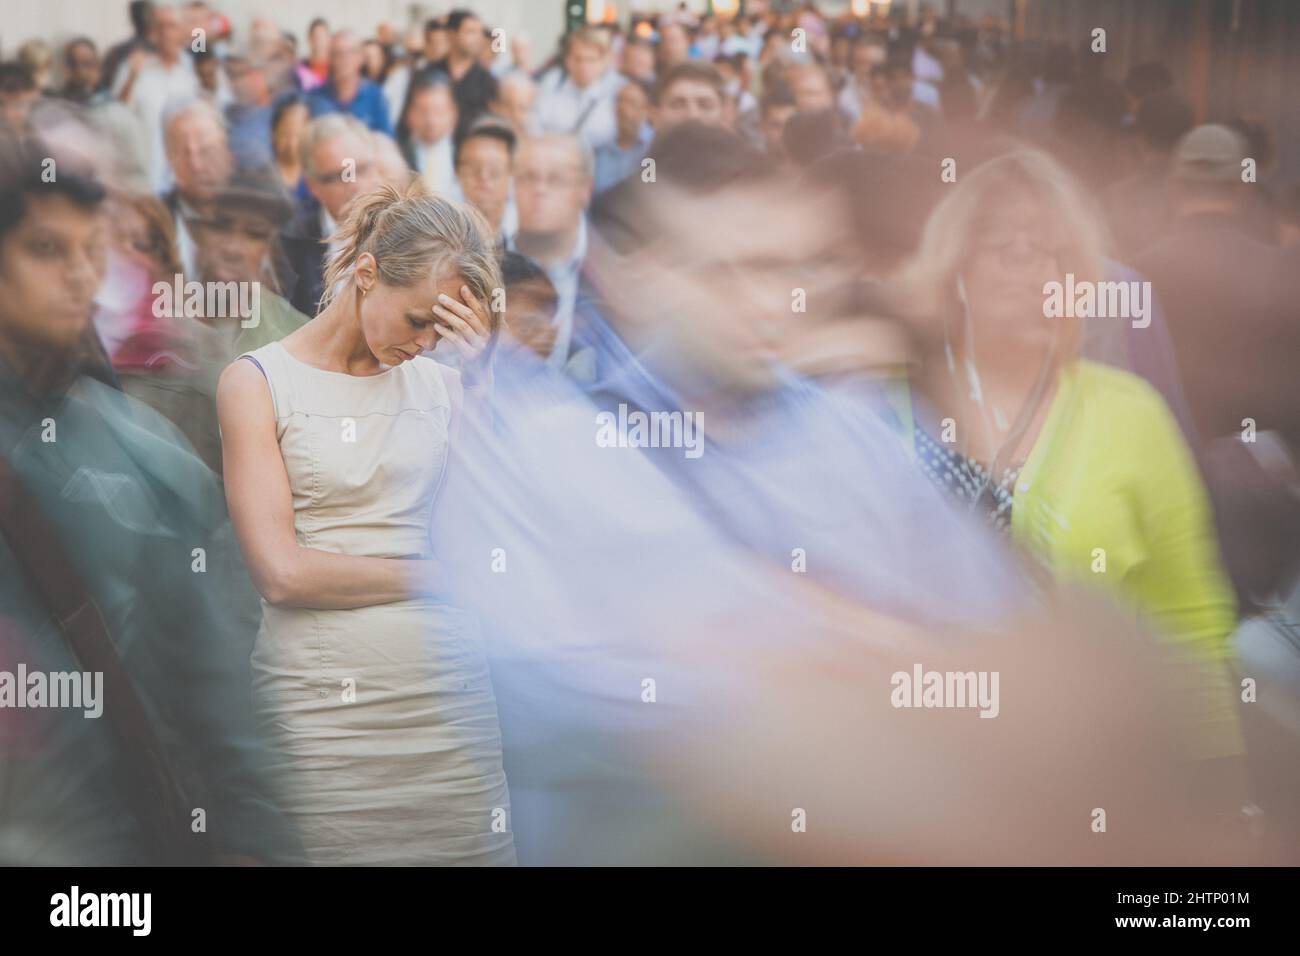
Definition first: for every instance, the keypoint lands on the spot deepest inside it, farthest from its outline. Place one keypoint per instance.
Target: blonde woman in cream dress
(375, 696)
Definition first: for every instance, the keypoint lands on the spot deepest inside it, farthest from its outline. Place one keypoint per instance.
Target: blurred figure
(1140, 208)
(866, 53)
(347, 91)
(235, 243)
(314, 70)
(174, 732)
(775, 109)
(1238, 374)
(617, 160)
(1080, 463)
(338, 162)
(140, 13)
(288, 121)
(151, 82)
(516, 95)
(531, 302)
(553, 183)
(198, 152)
(577, 98)
(37, 58)
(473, 85)
(484, 158)
(252, 110)
(427, 133)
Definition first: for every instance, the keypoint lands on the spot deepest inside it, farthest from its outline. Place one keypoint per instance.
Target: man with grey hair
(198, 154)
(554, 174)
(338, 164)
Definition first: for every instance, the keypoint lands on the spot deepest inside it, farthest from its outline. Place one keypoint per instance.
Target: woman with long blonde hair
(1082, 464)
(375, 694)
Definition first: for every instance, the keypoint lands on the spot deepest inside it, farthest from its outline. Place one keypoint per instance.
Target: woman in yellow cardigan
(1083, 464)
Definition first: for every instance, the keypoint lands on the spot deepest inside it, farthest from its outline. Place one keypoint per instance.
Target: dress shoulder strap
(269, 360)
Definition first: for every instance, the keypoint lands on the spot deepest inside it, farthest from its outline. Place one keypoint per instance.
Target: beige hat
(1210, 154)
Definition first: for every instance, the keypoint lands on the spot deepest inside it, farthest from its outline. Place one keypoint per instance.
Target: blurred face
(134, 239)
(432, 114)
(318, 42)
(812, 91)
(247, 82)
(773, 125)
(899, 87)
(688, 100)
(632, 109)
(83, 68)
(199, 156)
(514, 102)
(168, 33)
(639, 61)
(346, 59)
(436, 44)
(1015, 254)
(206, 69)
(674, 44)
(398, 323)
(51, 264)
(551, 186)
(330, 181)
(232, 245)
(288, 134)
(585, 62)
(865, 59)
(530, 309)
(469, 37)
(719, 284)
(484, 174)
(15, 108)
(373, 60)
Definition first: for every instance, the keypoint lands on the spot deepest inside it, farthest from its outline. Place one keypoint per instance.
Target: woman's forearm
(310, 578)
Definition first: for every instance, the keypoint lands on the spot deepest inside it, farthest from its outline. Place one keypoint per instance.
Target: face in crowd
(233, 244)
(51, 265)
(346, 59)
(632, 111)
(483, 170)
(167, 32)
(552, 186)
(432, 114)
(584, 63)
(1015, 253)
(342, 167)
(83, 69)
(199, 153)
(469, 40)
(688, 99)
(514, 101)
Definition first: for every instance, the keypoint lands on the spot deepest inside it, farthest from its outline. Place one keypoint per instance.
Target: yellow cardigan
(1111, 496)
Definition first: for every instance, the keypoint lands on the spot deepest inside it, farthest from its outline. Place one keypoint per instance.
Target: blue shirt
(368, 105)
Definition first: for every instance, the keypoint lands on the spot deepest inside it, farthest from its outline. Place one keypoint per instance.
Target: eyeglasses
(531, 180)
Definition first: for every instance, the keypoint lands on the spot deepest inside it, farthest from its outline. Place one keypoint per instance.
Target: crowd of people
(301, 339)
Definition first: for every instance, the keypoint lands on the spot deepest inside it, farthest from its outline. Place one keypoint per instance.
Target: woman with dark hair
(288, 121)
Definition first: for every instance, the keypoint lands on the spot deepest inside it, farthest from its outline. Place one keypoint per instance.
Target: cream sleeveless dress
(381, 719)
